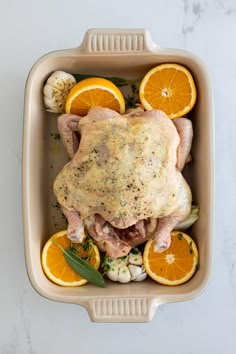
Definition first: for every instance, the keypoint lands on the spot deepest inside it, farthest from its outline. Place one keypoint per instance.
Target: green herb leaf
(118, 81)
(105, 266)
(180, 236)
(197, 266)
(122, 257)
(134, 89)
(87, 246)
(57, 136)
(131, 101)
(81, 267)
(134, 251)
(191, 247)
(84, 269)
(74, 250)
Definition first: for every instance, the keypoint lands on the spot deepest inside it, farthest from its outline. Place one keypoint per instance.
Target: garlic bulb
(127, 268)
(56, 90)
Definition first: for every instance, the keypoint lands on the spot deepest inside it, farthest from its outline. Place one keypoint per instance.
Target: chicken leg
(68, 126)
(185, 129)
(167, 223)
(75, 229)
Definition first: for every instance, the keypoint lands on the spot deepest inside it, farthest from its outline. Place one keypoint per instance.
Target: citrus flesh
(170, 88)
(93, 92)
(174, 266)
(55, 265)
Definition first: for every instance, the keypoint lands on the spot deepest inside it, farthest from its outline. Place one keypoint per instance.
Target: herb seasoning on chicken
(124, 182)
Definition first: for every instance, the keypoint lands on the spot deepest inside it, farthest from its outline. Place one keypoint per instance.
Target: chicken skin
(124, 183)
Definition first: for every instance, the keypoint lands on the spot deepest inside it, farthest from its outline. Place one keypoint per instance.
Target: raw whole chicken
(123, 183)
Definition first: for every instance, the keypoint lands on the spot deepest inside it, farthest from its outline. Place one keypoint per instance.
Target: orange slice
(174, 266)
(170, 88)
(93, 92)
(55, 266)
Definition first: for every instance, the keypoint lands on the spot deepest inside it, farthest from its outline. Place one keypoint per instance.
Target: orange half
(94, 92)
(174, 266)
(170, 88)
(55, 265)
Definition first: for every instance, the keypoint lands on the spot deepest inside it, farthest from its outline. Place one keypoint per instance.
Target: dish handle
(121, 309)
(117, 41)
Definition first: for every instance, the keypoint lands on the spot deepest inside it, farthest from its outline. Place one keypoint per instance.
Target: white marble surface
(30, 324)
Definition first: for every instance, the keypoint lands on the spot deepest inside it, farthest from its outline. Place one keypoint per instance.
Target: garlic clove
(50, 91)
(123, 261)
(135, 259)
(51, 105)
(60, 99)
(69, 84)
(119, 262)
(61, 80)
(141, 277)
(57, 80)
(124, 275)
(135, 271)
(113, 273)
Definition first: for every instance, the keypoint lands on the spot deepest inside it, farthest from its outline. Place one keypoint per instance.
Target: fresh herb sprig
(134, 251)
(87, 246)
(180, 236)
(81, 267)
(118, 81)
(106, 264)
(132, 100)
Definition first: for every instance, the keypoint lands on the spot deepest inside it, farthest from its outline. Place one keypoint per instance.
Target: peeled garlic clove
(113, 273)
(135, 271)
(141, 277)
(122, 261)
(124, 275)
(135, 259)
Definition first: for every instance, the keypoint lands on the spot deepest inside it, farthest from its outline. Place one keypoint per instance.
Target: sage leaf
(118, 81)
(81, 267)
(84, 269)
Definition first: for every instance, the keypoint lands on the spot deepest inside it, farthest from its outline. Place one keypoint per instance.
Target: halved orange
(93, 92)
(174, 266)
(170, 88)
(55, 265)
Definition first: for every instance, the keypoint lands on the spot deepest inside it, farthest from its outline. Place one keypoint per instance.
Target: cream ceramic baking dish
(127, 53)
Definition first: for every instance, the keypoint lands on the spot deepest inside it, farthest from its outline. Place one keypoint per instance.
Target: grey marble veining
(30, 324)
(193, 11)
(229, 6)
